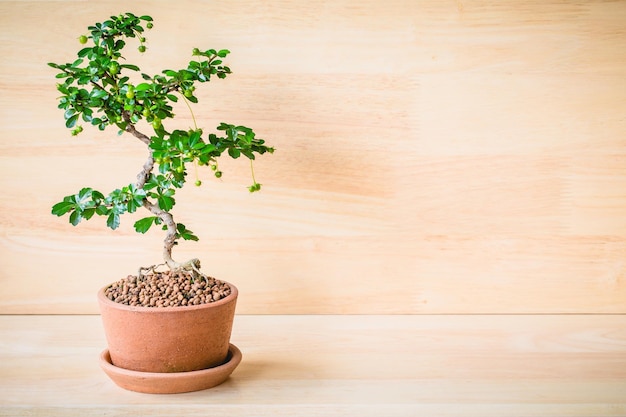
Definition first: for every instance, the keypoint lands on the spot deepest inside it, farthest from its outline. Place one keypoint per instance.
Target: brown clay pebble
(166, 289)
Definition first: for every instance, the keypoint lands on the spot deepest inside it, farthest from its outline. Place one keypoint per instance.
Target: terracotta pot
(168, 339)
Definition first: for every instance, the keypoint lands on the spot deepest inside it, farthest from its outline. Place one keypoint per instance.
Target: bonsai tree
(101, 89)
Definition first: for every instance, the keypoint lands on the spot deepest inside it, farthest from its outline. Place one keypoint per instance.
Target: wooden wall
(433, 156)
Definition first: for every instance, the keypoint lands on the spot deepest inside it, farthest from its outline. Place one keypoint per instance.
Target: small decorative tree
(97, 90)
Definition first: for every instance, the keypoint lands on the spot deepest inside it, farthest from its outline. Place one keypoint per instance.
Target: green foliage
(183, 232)
(143, 225)
(171, 151)
(87, 202)
(100, 88)
(96, 90)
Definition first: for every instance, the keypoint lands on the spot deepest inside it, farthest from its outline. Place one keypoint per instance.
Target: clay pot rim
(169, 309)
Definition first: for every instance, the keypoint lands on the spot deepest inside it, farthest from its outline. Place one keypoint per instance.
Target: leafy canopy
(96, 90)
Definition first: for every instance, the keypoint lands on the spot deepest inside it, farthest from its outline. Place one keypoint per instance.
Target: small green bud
(198, 183)
(218, 174)
(82, 39)
(142, 48)
(77, 130)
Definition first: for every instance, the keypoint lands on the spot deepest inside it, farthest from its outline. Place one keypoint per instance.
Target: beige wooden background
(432, 156)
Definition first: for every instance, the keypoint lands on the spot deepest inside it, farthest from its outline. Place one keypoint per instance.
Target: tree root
(143, 269)
(191, 266)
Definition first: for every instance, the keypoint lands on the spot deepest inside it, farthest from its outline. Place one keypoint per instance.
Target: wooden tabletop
(353, 365)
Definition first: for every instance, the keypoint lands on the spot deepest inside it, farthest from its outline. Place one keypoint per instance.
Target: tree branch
(170, 238)
(130, 128)
(142, 178)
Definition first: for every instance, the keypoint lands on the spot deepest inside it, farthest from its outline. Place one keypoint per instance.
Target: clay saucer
(174, 382)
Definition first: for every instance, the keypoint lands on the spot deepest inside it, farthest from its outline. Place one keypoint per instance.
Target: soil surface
(167, 289)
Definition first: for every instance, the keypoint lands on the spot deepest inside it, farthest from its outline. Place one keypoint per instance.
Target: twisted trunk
(166, 217)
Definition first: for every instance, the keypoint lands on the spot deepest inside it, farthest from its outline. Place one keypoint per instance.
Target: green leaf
(234, 153)
(194, 137)
(165, 203)
(209, 148)
(84, 80)
(185, 233)
(83, 52)
(97, 195)
(88, 213)
(143, 87)
(103, 210)
(71, 121)
(75, 217)
(61, 208)
(113, 221)
(130, 67)
(143, 225)
(84, 193)
(97, 93)
(132, 206)
(69, 113)
(189, 236)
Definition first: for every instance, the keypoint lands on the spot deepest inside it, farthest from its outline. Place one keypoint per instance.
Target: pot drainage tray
(174, 382)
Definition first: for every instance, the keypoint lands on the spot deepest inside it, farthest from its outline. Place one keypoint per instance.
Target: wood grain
(432, 157)
(340, 366)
